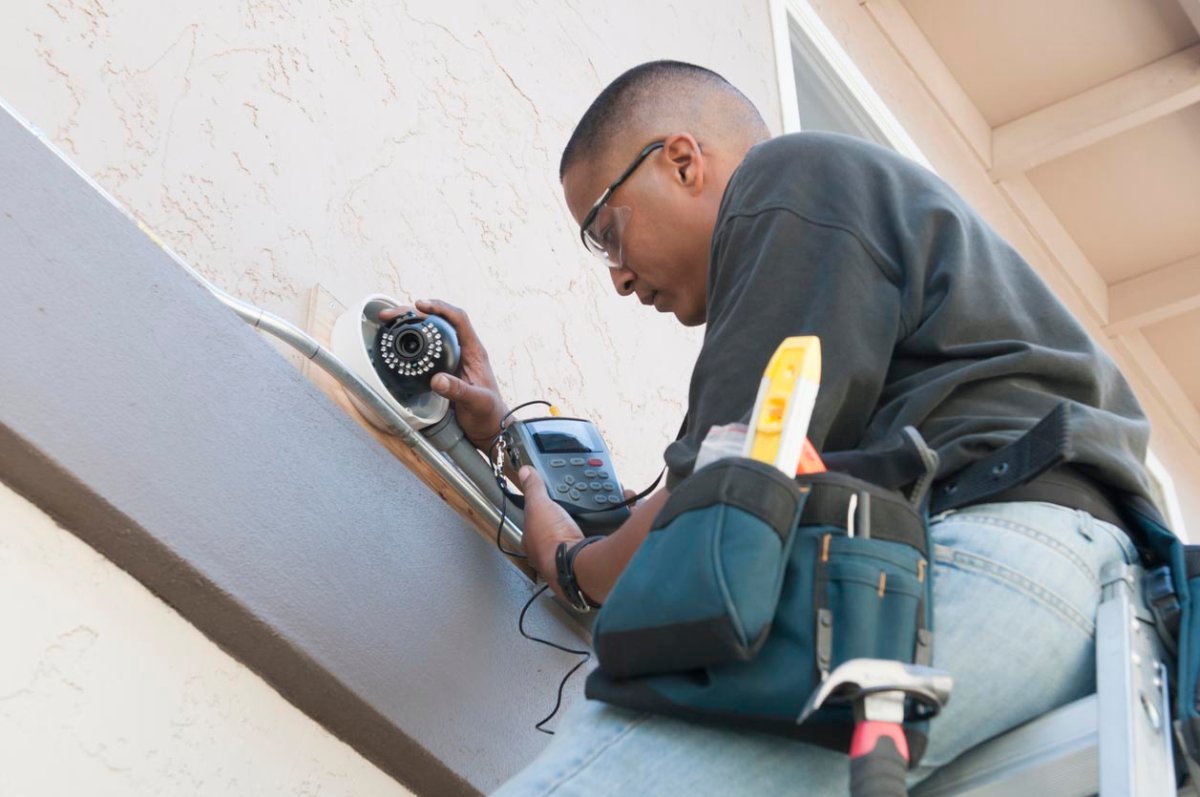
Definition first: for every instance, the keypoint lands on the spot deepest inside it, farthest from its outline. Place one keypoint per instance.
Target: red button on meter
(595, 462)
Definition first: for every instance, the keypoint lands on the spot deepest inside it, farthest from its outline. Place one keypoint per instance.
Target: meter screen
(563, 437)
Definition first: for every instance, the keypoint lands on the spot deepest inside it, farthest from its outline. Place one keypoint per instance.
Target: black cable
(492, 446)
(563, 683)
(508, 414)
(495, 441)
(628, 501)
(495, 438)
(503, 513)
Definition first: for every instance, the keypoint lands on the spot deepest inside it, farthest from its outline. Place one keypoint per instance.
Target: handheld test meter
(576, 467)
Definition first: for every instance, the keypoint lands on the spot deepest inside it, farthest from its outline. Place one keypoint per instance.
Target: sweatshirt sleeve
(775, 274)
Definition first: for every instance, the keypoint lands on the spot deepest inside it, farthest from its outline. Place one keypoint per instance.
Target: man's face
(657, 224)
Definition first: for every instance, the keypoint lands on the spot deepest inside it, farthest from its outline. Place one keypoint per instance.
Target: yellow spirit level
(784, 405)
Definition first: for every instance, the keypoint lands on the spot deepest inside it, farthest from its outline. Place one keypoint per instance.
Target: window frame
(823, 51)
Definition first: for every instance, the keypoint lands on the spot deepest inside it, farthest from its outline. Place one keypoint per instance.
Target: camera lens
(410, 344)
(409, 350)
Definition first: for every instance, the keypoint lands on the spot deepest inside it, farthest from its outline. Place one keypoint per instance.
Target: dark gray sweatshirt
(926, 316)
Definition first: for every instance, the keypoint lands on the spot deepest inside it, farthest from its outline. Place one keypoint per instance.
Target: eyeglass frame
(608, 192)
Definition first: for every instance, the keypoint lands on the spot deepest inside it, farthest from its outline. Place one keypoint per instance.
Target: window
(822, 89)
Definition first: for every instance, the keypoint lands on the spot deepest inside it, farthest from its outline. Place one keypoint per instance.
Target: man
(926, 318)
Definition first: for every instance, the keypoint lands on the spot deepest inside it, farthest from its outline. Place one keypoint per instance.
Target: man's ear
(686, 160)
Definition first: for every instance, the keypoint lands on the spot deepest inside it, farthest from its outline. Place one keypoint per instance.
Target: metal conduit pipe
(485, 504)
(448, 437)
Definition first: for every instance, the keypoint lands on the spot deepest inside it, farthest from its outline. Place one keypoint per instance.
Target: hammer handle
(878, 760)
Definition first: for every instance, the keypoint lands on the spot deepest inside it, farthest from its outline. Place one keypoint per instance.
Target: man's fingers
(396, 312)
(461, 393)
(531, 484)
(456, 316)
(629, 494)
(424, 307)
(451, 387)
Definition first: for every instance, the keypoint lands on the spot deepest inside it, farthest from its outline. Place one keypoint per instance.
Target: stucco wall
(105, 690)
(410, 148)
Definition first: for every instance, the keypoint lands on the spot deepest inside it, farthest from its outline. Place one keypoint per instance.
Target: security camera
(398, 358)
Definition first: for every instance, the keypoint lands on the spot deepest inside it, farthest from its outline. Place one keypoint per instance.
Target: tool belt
(749, 589)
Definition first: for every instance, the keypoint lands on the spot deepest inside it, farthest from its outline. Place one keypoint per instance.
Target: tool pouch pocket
(870, 599)
(1171, 590)
(1171, 593)
(1181, 622)
(704, 586)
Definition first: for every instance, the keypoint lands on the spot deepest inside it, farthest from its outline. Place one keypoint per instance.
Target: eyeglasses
(602, 226)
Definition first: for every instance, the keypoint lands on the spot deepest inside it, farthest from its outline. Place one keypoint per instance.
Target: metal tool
(883, 693)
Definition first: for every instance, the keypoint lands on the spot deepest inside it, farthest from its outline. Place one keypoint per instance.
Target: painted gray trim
(300, 679)
(151, 421)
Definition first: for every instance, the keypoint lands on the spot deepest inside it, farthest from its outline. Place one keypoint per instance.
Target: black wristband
(564, 564)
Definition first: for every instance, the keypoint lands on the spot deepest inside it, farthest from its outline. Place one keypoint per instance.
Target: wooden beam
(1140, 355)
(894, 21)
(1141, 96)
(1058, 243)
(1156, 296)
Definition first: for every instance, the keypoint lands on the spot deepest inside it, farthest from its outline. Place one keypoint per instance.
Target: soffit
(1131, 202)
(1017, 56)
(1177, 340)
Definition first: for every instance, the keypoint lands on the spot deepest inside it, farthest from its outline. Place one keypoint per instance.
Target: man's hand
(475, 393)
(546, 525)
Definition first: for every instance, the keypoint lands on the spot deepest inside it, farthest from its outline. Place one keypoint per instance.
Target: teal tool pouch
(752, 586)
(707, 579)
(1172, 593)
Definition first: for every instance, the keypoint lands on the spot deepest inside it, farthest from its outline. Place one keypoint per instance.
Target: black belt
(1031, 468)
(1065, 486)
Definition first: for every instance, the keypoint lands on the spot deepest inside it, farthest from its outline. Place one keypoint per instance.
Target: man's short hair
(672, 90)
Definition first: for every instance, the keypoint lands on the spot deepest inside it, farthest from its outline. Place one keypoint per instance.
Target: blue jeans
(1016, 588)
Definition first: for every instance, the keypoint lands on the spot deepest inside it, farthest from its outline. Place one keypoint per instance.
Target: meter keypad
(579, 476)
(574, 465)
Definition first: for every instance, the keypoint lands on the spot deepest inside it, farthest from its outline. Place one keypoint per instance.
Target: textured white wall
(404, 147)
(105, 690)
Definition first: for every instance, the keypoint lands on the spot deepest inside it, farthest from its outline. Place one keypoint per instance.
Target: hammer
(879, 690)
